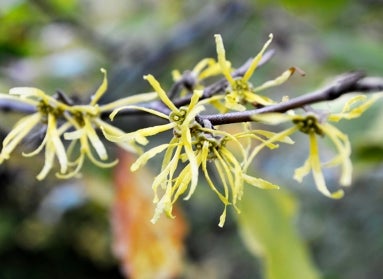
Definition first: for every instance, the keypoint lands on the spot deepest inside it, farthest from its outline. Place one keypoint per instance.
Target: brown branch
(344, 84)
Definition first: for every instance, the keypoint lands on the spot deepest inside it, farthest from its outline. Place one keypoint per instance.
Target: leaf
(268, 231)
(144, 250)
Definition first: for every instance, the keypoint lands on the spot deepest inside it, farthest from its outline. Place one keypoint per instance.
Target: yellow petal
(277, 137)
(317, 170)
(186, 141)
(301, 172)
(94, 139)
(222, 218)
(161, 93)
(224, 173)
(351, 113)
(258, 182)
(270, 135)
(48, 162)
(78, 163)
(207, 62)
(148, 110)
(74, 135)
(254, 98)
(181, 184)
(256, 60)
(165, 177)
(343, 147)
(225, 65)
(101, 90)
(232, 102)
(18, 133)
(205, 151)
(58, 146)
(212, 70)
(27, 92)
(194, 100)
(277, 81)
(134, 99)
(176, 75)
(142, 160)
(235, 167)
(98, 162)
(164, 205)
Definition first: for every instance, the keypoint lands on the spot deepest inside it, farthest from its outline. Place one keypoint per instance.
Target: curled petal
(101, 90)
(272, 118)
(161, 93)
(193, 102)
(212, 69)
(186, 136)
(277, 137)
(74, 135)
(317, 170)
(48, 162)
(134, 99)
(78, 163)
(94, 139)
(222, 218)
(18, 133)
(142, 160)
(270, 135)
(148, 110)
(232, 102)
(343, 147)
(225, 65)
(257, 59)
(258, 182)
(350, 113)
(251, 97)
(164, 205)
(277, 81)
(302, 171)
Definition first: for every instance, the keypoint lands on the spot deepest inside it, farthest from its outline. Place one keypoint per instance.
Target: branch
(344, 84)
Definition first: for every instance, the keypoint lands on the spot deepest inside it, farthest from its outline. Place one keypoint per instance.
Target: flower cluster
(191, 148)
(316, 124)
(74, 132)
(69, 130)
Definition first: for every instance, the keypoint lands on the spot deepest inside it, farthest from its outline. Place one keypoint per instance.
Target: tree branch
(344, 84)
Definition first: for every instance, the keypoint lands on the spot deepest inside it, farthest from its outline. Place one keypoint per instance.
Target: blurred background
(67, 229)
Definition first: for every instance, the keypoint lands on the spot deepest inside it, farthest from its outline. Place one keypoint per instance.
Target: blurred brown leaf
(145, 250)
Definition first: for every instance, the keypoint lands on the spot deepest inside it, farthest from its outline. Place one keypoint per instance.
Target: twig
(344, 84)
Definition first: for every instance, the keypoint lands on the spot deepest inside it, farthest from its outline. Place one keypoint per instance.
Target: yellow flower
(48, 109)
(241, 91)
(75, 123)
(314, 125)
(182, 122)
(86, 119)
(204, 69)
(208, 148)
(231, 172)
(193, 145)
(53, 146)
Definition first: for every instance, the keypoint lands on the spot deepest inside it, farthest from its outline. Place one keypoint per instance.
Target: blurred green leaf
(16, 30)
(268, 231)
(354, 53)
